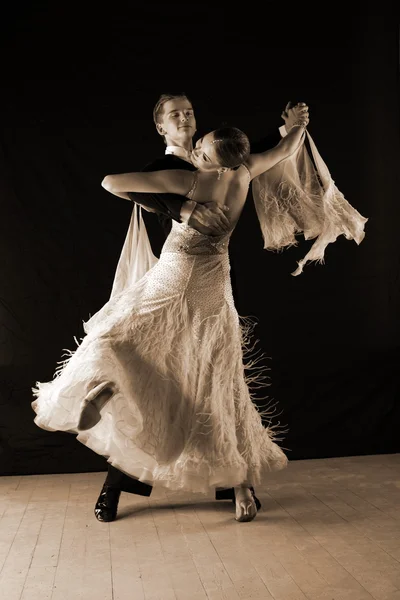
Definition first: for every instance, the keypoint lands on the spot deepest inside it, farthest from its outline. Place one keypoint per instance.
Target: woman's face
(204, 156)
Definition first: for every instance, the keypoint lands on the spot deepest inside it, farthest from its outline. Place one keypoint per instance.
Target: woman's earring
(219, 174)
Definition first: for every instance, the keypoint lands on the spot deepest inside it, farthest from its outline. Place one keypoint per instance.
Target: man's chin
(186, 132)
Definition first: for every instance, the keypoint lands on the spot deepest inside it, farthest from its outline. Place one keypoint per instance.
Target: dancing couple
(159, 384)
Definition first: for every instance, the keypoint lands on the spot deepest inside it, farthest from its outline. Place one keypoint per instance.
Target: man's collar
(178, 151)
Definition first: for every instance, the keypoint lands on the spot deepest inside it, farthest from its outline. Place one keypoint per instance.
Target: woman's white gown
(171, 348)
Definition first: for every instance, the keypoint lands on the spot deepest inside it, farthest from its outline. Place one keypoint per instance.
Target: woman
(158, 384)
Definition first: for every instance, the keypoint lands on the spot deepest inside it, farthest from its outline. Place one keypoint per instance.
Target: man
(175, 122)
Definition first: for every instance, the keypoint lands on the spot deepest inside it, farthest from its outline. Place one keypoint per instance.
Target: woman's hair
(232, 146)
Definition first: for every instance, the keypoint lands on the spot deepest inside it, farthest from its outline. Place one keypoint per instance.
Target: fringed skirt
(176, 363)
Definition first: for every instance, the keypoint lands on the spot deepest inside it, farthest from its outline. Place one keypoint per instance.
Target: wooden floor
(329, 529)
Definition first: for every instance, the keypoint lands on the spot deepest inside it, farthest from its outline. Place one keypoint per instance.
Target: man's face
(177, 122)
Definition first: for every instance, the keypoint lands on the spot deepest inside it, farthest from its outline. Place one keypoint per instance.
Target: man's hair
(159, 107)
(232, 146)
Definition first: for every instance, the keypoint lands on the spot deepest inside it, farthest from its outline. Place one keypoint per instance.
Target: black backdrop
(78, 87)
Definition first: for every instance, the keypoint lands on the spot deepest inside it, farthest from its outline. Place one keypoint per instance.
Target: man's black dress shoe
(107, 504)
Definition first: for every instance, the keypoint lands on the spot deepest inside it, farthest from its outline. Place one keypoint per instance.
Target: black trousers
(118, 480)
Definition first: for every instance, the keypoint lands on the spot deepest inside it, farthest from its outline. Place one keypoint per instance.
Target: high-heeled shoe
(247, 508)
(256, 500)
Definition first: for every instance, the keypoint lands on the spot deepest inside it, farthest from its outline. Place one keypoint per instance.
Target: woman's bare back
(230, 190)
